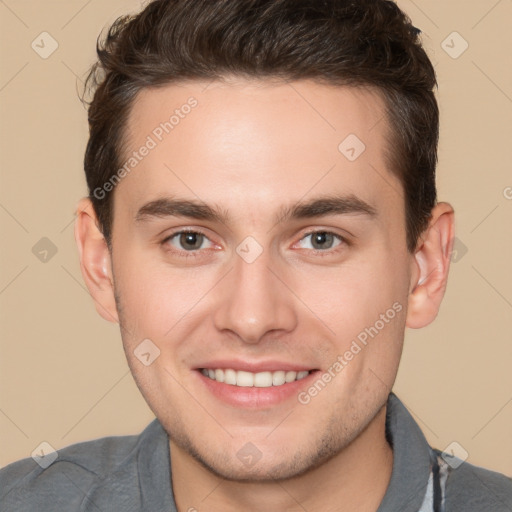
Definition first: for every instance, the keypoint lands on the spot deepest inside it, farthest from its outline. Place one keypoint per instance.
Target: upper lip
(254, 366)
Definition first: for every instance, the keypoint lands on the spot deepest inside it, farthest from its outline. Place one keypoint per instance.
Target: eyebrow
(317, 207)
(327, 205)
(167, 207)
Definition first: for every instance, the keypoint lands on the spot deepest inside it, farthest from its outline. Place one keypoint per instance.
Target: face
(253, 242)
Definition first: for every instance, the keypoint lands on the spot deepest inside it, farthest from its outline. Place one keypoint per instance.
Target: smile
(257, 380)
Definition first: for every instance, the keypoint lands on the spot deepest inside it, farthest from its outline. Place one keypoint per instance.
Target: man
(263, 224)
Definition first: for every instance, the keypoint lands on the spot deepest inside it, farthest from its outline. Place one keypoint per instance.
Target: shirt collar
(411, 460)
(145, 480)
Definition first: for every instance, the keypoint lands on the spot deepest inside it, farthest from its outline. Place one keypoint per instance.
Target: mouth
(245, 379)
(256, 390)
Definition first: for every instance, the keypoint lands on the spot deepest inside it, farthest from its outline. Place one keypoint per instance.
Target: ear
(431, 265)
(95, 260)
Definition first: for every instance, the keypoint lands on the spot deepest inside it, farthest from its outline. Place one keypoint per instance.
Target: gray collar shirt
(133, 473)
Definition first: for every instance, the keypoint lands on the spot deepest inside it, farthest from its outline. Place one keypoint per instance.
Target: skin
(249, 149)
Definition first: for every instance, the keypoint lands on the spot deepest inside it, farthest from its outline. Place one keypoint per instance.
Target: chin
(260, 472)
(249, 464)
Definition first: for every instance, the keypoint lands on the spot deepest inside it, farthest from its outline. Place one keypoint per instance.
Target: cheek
(364, 305)
(153, 296)
(351, 296)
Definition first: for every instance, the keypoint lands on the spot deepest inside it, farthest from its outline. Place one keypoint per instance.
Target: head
(296, 142)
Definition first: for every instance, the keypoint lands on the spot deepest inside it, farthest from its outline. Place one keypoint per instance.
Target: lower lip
(255, 398)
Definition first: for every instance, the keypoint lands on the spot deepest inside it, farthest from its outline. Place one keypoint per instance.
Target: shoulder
(472, 488)
(63, 483)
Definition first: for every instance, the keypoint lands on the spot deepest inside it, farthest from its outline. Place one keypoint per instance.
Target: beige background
(64, 377)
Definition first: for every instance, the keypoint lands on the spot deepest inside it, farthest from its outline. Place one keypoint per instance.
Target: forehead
(261, 140)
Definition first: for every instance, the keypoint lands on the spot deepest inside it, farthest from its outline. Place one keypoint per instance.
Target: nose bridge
(253, 301)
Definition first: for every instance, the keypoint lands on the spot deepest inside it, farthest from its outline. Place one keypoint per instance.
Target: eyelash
(327, 252)
(196, 253)
(182, 253)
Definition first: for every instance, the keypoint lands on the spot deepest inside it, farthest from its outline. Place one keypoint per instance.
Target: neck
(354, 479)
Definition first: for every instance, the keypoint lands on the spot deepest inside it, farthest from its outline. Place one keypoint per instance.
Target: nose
(253, 301)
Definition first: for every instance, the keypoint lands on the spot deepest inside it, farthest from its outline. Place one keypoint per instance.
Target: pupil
(191, 241)
(319, 239)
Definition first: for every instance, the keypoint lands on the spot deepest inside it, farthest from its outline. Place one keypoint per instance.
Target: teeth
(290, 376)
(278, 378)
(249, 379)
(244, 379)
(230, 377)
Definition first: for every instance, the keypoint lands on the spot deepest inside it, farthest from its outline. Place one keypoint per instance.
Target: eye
(189, 241)
(320, 241)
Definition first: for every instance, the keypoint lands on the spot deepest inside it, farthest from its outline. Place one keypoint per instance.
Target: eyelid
(342, 238)
(344, 241)
(187, 229)
(183, 252)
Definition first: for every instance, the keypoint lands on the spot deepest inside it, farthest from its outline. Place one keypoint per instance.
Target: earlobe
(432, 263)
(95, 260)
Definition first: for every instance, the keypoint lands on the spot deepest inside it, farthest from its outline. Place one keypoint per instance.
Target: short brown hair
(339, 42)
